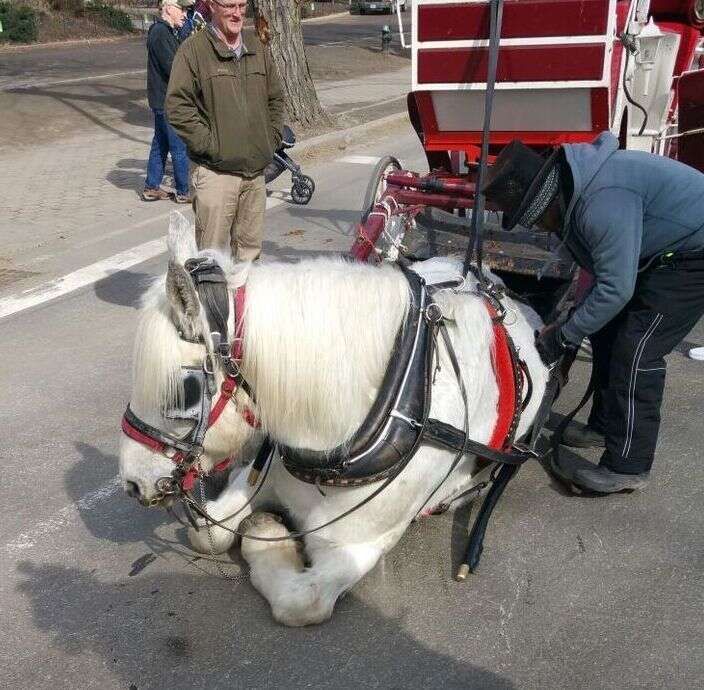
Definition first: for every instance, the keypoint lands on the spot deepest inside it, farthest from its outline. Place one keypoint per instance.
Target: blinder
(194, 381)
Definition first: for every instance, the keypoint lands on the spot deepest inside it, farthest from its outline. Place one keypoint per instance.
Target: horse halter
(199, 384)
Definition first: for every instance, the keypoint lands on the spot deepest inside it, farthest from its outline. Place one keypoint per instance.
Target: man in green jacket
(224, 100)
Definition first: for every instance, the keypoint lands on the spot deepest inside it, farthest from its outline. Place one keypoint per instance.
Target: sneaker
(578, 435)
(697, 353)
(157, 194)
(182, 199)
(586, 476)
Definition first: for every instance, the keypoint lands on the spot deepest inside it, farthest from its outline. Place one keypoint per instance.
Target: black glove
(550, 343)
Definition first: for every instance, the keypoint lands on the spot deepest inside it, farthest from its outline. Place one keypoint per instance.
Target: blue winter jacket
(627, 206)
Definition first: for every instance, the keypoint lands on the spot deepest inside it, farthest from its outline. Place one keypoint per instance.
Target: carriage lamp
(385, 39)
(648, 42)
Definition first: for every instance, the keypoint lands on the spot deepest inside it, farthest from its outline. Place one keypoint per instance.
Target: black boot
(596, 478)
(578, 435)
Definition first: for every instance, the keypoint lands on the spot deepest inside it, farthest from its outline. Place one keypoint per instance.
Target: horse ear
(183, 298)
(181, 239)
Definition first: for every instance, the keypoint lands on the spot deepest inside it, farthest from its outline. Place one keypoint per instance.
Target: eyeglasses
(232, 6)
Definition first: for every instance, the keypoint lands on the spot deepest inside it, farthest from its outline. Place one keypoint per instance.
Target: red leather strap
(240, 299)
(502, 363)
(138, 436)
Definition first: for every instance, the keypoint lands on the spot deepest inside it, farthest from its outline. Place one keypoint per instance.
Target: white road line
(43, 528)
(39, 84)
(82, 277)
(361, 160)
(95, 272)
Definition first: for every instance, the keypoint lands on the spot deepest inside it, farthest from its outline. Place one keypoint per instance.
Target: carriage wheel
(377, 184)
(302, 190)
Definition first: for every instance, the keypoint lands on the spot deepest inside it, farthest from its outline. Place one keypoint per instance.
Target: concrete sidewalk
(66, 192)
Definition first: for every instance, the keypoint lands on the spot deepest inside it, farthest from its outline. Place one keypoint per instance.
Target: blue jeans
(166, 140)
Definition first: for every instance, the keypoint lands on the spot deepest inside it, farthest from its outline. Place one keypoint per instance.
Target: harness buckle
(194, 454)
(524, 449)
(167, 486)
(433, 313)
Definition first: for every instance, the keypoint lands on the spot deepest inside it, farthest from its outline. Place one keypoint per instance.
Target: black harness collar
(393, 426)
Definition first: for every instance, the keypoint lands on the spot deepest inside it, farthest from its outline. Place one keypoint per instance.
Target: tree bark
(278, 23)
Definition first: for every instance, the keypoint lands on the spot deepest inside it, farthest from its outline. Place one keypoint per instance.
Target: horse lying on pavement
(315, 340)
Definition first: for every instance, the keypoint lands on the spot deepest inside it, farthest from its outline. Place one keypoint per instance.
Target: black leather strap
(156, 434)
(350, 459)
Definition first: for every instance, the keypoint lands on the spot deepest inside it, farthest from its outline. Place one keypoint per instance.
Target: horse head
(187, 413)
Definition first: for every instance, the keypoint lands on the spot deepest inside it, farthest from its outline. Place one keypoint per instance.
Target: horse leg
(232, 498)
(300, 595)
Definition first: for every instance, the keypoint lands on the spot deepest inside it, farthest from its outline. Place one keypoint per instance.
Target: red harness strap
(503, 364)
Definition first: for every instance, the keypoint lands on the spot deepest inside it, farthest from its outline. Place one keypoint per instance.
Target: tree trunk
(278, 23)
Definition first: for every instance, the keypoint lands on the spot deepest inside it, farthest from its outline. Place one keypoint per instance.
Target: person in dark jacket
(196, 18)
(162, 43)
(635, 221)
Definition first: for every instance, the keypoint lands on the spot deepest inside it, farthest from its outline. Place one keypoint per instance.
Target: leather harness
(398, 422)
(395, 427)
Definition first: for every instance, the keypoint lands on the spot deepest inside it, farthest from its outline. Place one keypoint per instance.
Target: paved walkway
(72, 188)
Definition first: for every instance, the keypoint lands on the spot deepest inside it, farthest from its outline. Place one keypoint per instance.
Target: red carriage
(565, 70)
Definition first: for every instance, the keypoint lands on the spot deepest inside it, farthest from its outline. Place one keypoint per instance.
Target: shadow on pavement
(123, 288)
(157, 630)
(100, 97)
(117, 523)
(130, 173)
(344, 222)
(273, 250)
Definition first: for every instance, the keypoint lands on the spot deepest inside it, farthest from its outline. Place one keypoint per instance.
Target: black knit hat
(522, 183)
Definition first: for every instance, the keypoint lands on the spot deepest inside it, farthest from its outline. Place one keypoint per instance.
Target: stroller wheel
(302, 190)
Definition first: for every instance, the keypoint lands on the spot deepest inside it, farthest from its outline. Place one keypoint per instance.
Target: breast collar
(185, 452)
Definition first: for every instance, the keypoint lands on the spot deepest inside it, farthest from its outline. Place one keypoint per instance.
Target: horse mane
(318, 337)
(156, 364)
(158, 350)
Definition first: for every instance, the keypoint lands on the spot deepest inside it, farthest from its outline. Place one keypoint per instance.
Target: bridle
(199, 385)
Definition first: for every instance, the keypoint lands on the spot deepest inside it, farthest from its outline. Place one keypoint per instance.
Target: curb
(71, 42)
(324, 17)
(341, 137)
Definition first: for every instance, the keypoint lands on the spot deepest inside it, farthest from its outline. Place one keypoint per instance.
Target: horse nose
(132, 489)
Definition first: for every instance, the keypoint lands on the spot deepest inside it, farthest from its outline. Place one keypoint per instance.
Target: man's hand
(550, 343)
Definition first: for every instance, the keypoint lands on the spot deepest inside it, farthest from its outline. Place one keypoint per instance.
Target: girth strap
(447, 436)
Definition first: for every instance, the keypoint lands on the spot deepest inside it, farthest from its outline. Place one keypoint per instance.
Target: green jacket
(228, 111)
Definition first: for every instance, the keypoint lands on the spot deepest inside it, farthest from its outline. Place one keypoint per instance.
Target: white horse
(318, 336)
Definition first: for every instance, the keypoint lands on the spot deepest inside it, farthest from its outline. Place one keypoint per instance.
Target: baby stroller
(303, 186)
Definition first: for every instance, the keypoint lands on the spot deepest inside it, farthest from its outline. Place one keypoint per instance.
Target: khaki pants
(229, 212)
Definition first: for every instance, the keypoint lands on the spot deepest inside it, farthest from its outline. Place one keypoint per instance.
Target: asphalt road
(58, 65)
(97, 592)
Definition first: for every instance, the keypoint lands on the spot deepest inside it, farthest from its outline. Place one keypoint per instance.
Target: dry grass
(58, 21)
(58, 26)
